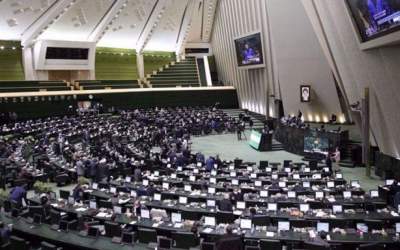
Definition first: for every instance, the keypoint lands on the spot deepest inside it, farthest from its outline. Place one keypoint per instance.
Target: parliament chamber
(199, 125)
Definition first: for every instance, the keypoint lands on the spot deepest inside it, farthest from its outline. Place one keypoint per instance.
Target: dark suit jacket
(225, 205)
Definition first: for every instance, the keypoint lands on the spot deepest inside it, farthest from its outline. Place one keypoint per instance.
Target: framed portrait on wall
(305, 93)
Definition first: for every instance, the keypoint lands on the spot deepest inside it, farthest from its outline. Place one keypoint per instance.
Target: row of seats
(33, 86)
(179, 74)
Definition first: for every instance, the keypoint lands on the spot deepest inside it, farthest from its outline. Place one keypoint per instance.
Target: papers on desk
(63, 214)
(178, 225)
(122, 201)
(207, 230)
(102, 215)
(270, 234)
(54, 204)
(132, 222)
(155, 225)
(394, 214)
(237, 212)
(81, 209)
(331, 199)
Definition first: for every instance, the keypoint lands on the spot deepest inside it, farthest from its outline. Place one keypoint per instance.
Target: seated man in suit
(229, 241)
(225, 204)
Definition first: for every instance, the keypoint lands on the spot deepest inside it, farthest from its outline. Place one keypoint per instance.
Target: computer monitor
(209, 221)
(199, 164)
(316, 176)
(306, 184)
(213, 172)
(258, 183)
(337, 209)
(253, 176)
(92, 204)
(93, 232)
(145, 183)
(263, 193)
(233, 174)
(213, 180)
(127, 238)
(176, 218)
(37, 219)
(195, 171)
(156, 173)
(144, 213)
(283, 225)
(397, 227)
(157, 197)
(210, 203)
(183, 200)
(319, 195)
(347, 194)
(323, 227)
(304, 207)
(374, 193)
(355, 183)
(339, 176)
(192, 178)
(133, 193)
(95, 186)
(241, 205)
(307, 170)
(330, 184)
(71, 200)
(245, 224)
(63, 225)
(113, 190)
(272, 207)
(117, 210)
(173, 176)
(128, 179)
(235, 182)
(187, 188)
(211, 190)
(389, 182)
(274, 176)
(268, 169)
(282, 184)
(250, 169)
(296, 176)
(291, 194)
(362, 227)
(165, 185)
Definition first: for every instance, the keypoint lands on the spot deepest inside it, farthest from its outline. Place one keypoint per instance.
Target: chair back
(184, 240)
(147, 235)
(270, 244)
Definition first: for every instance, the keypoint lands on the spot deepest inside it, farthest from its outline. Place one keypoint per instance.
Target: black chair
(185, 240)
(315, 246)
(286, 163)
(147, 235)
(7, 206)
(47, 246)
(17, 243)
(270, 244)
(263, 164)
(105, 204)
(64, 194)
(164, 243)
(128, 237)
(372, 246)
(231, 243)
(339, 223)
(190, 215)
(55, 217)
(225, 217)
(62, 180)
(207, 246)
(299, 223)
(374, 224)
(112, 229)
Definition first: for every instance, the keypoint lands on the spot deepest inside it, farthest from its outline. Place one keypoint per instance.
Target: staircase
(346, 161)
(175, 74)
(258, 123)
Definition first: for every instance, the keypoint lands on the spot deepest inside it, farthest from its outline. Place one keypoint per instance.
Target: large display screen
(67, 53)
(249, 51)
(255, 139)
(315, 144)
(375, 18)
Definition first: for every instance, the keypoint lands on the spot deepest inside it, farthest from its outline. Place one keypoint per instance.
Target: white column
(140, 65)
(28, 63)
(207, 70)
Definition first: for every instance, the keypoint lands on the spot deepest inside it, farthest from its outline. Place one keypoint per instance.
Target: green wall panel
(155, 60)
(11, 61)
(119, 64)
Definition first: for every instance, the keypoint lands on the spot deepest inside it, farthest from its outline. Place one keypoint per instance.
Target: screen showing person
(305, 93)
(375, 18)
(249, 50)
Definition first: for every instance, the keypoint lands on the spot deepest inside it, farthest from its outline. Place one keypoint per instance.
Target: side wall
(11, 61)
(292, 53)
(377, 69)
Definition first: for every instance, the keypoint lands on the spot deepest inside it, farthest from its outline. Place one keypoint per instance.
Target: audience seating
(33, 86)
(179, 74)
(106, 84)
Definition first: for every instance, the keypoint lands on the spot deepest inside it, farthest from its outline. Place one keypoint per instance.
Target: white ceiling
(80, 20)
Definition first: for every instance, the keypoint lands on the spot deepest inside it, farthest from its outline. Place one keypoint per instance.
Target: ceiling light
(2, 47)
(14, 48)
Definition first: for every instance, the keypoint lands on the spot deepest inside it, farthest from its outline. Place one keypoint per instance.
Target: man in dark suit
(226, 204)
(229, 241)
